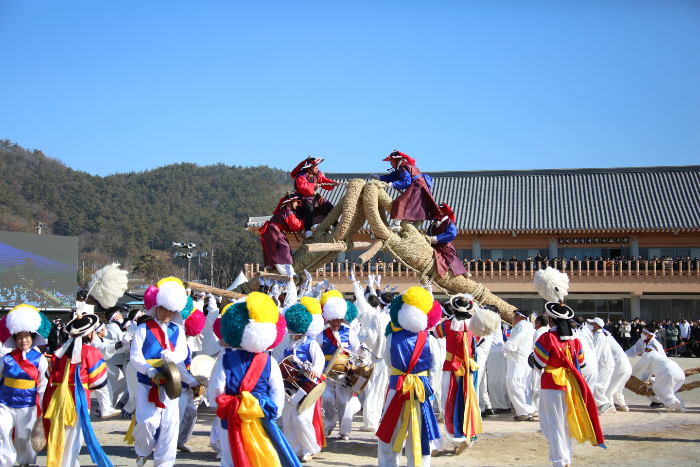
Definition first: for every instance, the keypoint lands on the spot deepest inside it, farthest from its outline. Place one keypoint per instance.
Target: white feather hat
(108, 284)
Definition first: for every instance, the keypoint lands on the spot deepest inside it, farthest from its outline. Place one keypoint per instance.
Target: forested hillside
(134, 217)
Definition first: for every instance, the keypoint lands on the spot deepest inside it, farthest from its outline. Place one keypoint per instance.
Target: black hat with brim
(558, 311)
(82, 325)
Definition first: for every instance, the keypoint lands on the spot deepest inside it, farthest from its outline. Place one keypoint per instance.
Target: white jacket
(638, 348)
(655, 364)
(589, 360)
(519, 345)
(602, 351)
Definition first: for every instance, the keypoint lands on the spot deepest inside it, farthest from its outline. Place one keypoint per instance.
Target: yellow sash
(580, 424)
(61, 412)
(19, 383)
(413, 385)
(257, 444)
(129, 437)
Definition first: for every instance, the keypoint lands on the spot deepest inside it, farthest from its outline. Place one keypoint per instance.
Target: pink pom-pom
(149, 298)
(195, 323)
(217, 328)
(434, 315)
(4, 332)
(281, 331)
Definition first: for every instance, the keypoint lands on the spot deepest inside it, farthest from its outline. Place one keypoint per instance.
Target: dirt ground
(642, 436)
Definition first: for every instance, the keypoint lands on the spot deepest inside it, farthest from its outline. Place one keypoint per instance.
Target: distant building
(612, 217)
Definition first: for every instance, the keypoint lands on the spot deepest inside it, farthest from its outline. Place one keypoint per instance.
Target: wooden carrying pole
(197, 287)
(321, 247)
(367, 255)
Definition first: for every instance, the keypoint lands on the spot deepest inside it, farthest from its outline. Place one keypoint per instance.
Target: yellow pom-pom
(18, 307)
(419, 298)
(328, 294)
(311, 304)
(225, 309)
(261, 308)
(169, 279)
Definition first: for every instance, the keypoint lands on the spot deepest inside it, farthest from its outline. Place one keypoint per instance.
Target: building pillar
(476, 248)
(341, 259)
(634, 247)
(553, 248)
(635, 306)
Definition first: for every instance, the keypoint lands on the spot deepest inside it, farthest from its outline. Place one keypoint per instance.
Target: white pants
(188, 416)
(117, 382)
(497, 387)
(22, 420)
(435, 381)
(590, 378)
(375, 393)
(535, 387)
(336, 406)
(386, 454)
(8, 455)
(148, 419)
(666, 385)
(73, 443)
(132, 385)
(480, 380)
(484, 400)
(299, 430)
(518, 383)
(555, 426)
(601, 386)
(104, 397)
(622, 373)
(215, 435)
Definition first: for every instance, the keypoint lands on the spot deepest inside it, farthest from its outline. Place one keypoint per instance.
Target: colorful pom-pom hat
(414, 311)
(24, 318)
(194, 323)
(170, 294)
(305, 317)
(334, 306)
(255, 325)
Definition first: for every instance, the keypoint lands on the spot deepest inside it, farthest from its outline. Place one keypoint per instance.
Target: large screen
(39, 270)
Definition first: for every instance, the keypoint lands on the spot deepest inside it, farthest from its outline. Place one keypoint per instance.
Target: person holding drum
(302, 369)
(246, 385)
(23, 373)
(157, 343)
(338, 313)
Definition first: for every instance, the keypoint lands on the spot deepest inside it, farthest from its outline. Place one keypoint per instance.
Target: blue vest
(303, 353)
(11, 396)
(236, 364)
(328, 347)
(151, 348)
(402, 345)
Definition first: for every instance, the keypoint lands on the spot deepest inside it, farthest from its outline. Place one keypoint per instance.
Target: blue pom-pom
(233, 324)
(45, 328)
(394, 308)
(298, 318)
(351, 313)
(187, 311)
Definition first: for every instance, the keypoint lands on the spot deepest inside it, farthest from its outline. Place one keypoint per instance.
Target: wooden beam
(322, 247)
(197, 287)
(367, 255)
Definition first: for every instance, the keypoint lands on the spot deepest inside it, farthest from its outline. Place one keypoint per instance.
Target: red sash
(165, 343)
(31, 370)
(228, 409)
(393, 412)
(318, 425)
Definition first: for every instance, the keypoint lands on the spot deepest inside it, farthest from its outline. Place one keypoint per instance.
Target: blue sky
(459, 85)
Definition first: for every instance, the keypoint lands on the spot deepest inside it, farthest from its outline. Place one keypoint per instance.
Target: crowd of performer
(291, 364)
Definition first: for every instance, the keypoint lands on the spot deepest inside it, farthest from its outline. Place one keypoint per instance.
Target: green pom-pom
(187, 311)
(394, 308)
(45, 328)
(233, 324)
(351, 313)
(298, 318)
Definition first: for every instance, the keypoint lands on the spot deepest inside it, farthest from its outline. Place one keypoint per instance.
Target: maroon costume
(445, 253)
(275, 246)
(416, 203)
(314, 207)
